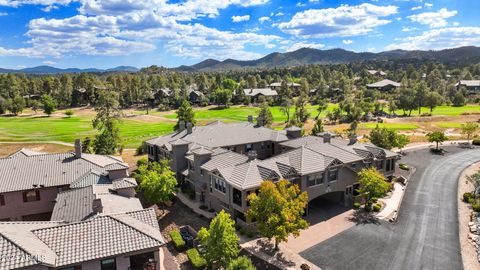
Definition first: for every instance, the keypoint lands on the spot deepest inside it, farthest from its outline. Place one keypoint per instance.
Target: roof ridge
(124, 215)
(21, 248)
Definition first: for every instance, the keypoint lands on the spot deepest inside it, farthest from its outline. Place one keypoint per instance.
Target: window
(31, 196)
(333, 175)
(237, 197)
(220, 185)
(190, 165)
(380, 164)
(211, 184)
(76, 267)
(314, 180)
(248, 147)
(108, 264)
(202, 172)
(2, 200)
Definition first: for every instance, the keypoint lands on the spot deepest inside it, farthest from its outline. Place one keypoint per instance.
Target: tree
(432, 100)
(406, 101)
(186, 114)
(16, 105)
(49, 104)
(278, 209)
(458, 99)
(108, 141)
(469, 129)
(373, 184)
(421, 92)
(475, 180)
(220, 240)
(265, 114)
(436, 137)
(318, 127)
(69, 113)
(241, 263)
(401, 141)
(285, 107)
(301, 113)
(35, 105)
(87, 145)
(222, 96)
(322, 106)
(3, 105)
(157, 181)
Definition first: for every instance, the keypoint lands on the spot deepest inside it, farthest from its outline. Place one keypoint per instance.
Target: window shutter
(37, 193)
(24, 196)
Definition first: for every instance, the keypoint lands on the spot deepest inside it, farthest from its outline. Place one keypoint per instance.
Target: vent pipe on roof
(327, 137)
(353, 139)
(78, 148)
(252, 155)
(189, 128)
(181, 126)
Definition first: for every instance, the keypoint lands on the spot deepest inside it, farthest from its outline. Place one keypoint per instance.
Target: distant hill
(308, 56)
(54, 70)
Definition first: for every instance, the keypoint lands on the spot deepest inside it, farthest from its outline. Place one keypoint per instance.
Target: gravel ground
(469, 254)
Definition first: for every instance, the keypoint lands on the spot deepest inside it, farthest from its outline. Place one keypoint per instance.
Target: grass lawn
(396, 126)
(24, 129)
(240, 113)
(448, 110)
(448, 124)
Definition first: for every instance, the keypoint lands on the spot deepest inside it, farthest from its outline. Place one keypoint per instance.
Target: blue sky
(108, 33)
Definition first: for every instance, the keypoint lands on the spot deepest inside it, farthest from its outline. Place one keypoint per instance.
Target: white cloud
(417, 8)
(433, 19)
(3, 14)
(122, 27)
(279, 14)
(49, 62)
(342, 21)
(442, 38)
(264, 19)
(408, 29)
(347, 41)
(428, 5)
(300, 4)
(243, 18)
(300, 45)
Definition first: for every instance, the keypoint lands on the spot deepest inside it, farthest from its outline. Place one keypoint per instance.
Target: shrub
(368, 206)
(242, 231)
(404, 167)
(69, 113)
(476, 142)
(142, 161)
(237, 227)
(196, 259)
(250, 234)
(356, 205)
(377, 207)
(241, 263)
(374, 200)
(468, 197)
(177, 240)
(140, 150)
(476, 206)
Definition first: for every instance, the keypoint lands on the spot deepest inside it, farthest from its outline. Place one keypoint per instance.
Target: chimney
(353, 139)
(327, 137)
(294, 132)
(78, 148)
(97, 206)
(252, 155)
(181, 126)
(189, 128)
(250, 119)
(260, 121)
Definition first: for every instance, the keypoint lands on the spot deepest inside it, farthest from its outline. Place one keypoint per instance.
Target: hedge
(196, 259)
(177, 239)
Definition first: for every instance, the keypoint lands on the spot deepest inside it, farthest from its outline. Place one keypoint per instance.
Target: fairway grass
(395, 126)
(448, 110)
(43, 129)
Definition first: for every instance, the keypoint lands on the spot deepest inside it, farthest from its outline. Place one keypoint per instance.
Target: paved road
(425, 235)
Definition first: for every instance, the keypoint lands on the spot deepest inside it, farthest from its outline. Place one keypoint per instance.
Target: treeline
(333, 83)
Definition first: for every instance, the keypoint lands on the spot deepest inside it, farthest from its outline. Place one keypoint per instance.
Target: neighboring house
(224, 163)
(384, 85)
(162, 93)
(278, 85)
(130, 240)
(255, 93)
(376, 72)
(472, 86)
(195, 96)
(30, 181)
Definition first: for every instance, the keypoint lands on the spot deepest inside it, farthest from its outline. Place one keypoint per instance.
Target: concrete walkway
(393, 203)
(195, 206)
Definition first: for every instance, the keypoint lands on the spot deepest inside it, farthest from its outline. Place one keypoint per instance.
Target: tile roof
(384, 83)
(49, 170)
(260, 91)
(57, 245)
(469, 83)
(222, 158)
(90, 178)
(77, 204)
(219, 134)
(124, 183)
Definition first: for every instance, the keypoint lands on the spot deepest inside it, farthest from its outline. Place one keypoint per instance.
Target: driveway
(425, 235)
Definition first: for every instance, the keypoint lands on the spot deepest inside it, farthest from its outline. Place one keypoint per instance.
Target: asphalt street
(425, 235)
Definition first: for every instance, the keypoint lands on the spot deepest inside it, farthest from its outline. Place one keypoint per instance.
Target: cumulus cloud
(408, 29)
(300, 45)
(441, 38)
(416, 8)
(347, 41)
(49, 62)
(120, 27)
(243, 18)
(342, 21)
(3, 14)
(264, 19)
(433, 19)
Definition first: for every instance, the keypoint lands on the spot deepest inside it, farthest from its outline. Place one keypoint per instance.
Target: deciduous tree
(436, 137)
(469, 129)
(157, 181)
(241, 263)
(186, 114)
(49, 104)
(372, 184)
(265, 114)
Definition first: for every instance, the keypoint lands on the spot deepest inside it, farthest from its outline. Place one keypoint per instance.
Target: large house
(73, 211)
(384, 85)
(472, 86)
(224, 163)
(256, 93)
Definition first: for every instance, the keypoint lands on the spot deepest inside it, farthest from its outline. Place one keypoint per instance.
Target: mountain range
(308, 56)
(300, 57)
(54, 70)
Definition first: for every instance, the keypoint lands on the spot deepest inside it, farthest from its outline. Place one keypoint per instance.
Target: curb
(395, 213)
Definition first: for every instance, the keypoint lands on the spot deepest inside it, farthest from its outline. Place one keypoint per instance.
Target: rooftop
(260, 91)
(384, 83)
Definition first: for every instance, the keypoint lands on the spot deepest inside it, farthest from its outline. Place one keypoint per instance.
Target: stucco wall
(15, 208)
